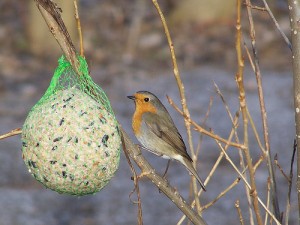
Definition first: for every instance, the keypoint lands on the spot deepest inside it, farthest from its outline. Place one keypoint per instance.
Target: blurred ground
(206, 53)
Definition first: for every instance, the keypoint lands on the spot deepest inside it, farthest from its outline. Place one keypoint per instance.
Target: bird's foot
(141, 175)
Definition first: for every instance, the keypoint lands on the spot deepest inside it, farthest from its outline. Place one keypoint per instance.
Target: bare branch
(79, 28)
(202, 130)
(285, 38)
(294, 12)
(11, 133)
(242, 98)
(237, 206)
(136, 184)
(263, 112)
(288, 203)
(232, 185)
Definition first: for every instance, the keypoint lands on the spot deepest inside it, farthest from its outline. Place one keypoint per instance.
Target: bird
(156, 131)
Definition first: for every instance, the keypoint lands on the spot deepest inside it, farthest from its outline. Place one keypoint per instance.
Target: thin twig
(203, 123)
(280, 168)
(263, 112)
(136, 184)
(242, 98)
(249, 202)
(246, 182)
(268, 200)
(288, 202)
(255, 132)
(232, 185)
(79, 28)
(256, 7)
(215, 166)
(221, 155)
(11, 133)
(182, 96)
(242, 163)
(224, 101)
(285, 38)
(259, 161)
(237, 206)
(249, 57)
(202, 130)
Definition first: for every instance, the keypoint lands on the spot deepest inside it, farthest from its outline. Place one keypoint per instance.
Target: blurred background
(127, 51)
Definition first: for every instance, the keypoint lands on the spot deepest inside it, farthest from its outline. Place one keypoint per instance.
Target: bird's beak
(131, 97)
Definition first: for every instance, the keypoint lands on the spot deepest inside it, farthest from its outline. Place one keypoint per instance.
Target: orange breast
(141, 108)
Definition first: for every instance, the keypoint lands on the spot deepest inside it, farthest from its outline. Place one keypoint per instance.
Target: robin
(156, 131)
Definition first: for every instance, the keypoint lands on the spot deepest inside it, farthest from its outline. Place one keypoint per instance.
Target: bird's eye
(146, 99)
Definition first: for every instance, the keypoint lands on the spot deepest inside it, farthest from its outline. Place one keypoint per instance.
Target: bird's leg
(165, 173)
(142, 174)
(139, 146)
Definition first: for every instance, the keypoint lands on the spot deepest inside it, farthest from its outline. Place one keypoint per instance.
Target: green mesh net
(71, 141)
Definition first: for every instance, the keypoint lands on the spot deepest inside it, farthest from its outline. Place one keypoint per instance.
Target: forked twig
(242, 163)
(202, 130)
(224, 192)
(243, 105)
(182, 97)
(263, 112)
(246, 182)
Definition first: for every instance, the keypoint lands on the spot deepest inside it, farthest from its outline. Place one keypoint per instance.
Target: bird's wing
(166, 130)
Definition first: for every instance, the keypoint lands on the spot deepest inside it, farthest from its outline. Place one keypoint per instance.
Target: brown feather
(167, 131)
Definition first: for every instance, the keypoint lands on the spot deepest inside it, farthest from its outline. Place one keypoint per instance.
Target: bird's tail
(188, 164)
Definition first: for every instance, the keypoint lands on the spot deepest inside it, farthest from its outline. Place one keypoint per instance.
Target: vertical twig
(136, 184)
(182, 97)
(242, 163)
(268, 200)
(288, 203)
(294, 13)
(242, 97)
(237, 206)
(79, 28)
(263, 114)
